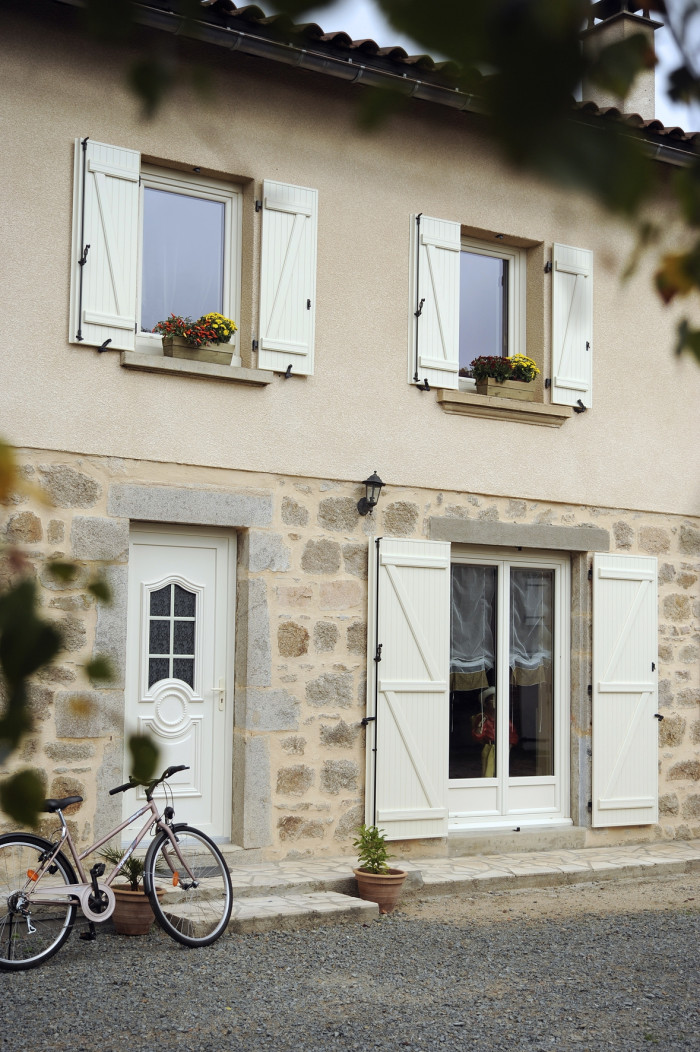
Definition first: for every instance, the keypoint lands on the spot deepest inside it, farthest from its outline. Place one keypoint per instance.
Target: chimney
(611, 21)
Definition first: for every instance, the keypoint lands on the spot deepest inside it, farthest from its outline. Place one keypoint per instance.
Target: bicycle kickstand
(91, 934)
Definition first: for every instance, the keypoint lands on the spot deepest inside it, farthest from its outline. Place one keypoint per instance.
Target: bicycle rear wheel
(194, 909)
(31, 932)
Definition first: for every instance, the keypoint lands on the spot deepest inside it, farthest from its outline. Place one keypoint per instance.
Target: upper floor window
(149, 242)
(189, 250)
(491, 302)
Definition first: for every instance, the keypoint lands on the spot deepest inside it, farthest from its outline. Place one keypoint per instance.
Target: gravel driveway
(613, 965)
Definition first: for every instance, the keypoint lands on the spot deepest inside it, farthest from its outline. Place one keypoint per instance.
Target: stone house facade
(303, 659)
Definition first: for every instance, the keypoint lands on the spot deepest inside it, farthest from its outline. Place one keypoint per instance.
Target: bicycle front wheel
(192, 903)
(31, 931)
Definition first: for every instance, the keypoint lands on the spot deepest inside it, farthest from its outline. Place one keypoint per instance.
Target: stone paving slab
(293, 911)
(300, 893)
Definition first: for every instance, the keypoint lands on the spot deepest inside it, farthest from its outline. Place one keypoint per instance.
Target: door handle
(221, 691)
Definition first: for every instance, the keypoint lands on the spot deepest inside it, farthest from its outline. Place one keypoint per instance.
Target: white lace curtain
(473, 626)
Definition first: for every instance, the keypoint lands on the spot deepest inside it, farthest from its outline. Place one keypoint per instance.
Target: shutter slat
(105, 309)
(572, 326)
(288, 277)
(435, 280)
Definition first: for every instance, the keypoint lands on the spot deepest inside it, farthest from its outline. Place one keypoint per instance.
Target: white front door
(508, 754)
(179, 672)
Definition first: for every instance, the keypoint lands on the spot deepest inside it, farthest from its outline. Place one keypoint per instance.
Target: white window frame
(503, 815)
(212, 190)
(517, 303)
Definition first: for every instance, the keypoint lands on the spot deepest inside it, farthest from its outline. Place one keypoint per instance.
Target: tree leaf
(144, 758)
(22, 797)
(99, 668)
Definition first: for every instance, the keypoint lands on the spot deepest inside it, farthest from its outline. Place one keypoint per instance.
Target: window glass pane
(160, 601)
(159, 637)
(183, 256)
(184, 602)
(531, 681)
(183, 668)
(483, 307)
(183, 642)
(158, 668)
(473, 717)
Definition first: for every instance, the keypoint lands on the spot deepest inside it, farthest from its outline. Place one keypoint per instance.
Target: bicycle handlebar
(167, 773)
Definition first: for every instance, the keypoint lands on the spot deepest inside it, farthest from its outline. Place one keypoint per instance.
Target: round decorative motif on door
(171, 712)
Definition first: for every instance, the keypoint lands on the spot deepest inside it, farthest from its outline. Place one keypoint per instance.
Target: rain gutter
(345, 68)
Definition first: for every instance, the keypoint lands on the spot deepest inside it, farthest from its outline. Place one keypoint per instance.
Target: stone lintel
(520, 535)
(194, 507)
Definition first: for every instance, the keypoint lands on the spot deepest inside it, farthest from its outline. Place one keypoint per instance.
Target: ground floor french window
(469, 690)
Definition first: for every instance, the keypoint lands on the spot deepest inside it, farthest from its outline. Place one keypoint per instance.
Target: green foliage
(132, 868)
(29, 643)
(22, 797)
(371, 849)
(144, 758)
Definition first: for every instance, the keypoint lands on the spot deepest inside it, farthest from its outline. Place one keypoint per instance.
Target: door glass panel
(531, 698)
(473, 716)
(171, 634)
(183, 256)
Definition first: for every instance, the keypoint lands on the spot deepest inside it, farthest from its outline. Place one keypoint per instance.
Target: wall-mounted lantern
(373, 486)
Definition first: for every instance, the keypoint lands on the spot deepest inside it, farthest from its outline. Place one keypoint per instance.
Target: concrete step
(305, 893)
(293, 912)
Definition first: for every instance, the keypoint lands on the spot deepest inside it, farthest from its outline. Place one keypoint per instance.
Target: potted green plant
(198, 340)
(132, 912)
(505, 377)
(376, 881)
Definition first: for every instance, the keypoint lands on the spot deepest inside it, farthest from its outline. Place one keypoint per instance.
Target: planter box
(506, 389)
(178, 347)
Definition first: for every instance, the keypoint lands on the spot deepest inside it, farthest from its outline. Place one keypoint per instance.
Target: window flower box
(506, 389)
(179, 347)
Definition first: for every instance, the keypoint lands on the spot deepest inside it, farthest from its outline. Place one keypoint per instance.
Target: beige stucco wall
(299, 748)
(637, 448)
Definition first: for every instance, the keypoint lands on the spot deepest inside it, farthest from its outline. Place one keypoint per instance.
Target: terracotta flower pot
(178, 347)
(382, 888)
(132, 913)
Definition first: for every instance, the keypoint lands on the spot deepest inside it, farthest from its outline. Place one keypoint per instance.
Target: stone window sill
(156, 363)
(465, 403)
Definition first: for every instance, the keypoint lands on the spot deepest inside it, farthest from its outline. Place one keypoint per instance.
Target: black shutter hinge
(579, 407)
(255, 345)
(366, 720)
(590, 573)
(258, 206)
(653, 666)
(590, 690)
(548, 267)
(83, 259)
(548, 382)
(378, 655)
(425, 386)
(417, 313)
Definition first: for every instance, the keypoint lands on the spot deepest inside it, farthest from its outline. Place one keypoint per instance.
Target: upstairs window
(189, 252)
(491, 302)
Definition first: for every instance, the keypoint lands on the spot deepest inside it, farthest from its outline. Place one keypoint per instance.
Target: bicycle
(185, 877)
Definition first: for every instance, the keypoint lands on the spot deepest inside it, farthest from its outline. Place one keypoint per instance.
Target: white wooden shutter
(107, 221)
(288, 278)
(572, 326)
(435, 248)
(625, 733)
(408, 791)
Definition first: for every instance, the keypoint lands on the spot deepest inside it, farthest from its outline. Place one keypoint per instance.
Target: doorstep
(296, 894)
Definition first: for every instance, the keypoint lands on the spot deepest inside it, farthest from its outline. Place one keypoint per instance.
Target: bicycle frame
(88, 888)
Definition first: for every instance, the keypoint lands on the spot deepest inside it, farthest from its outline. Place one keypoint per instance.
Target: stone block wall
(299, 747)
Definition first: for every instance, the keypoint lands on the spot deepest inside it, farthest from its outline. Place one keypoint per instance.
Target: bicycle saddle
(59, 805)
